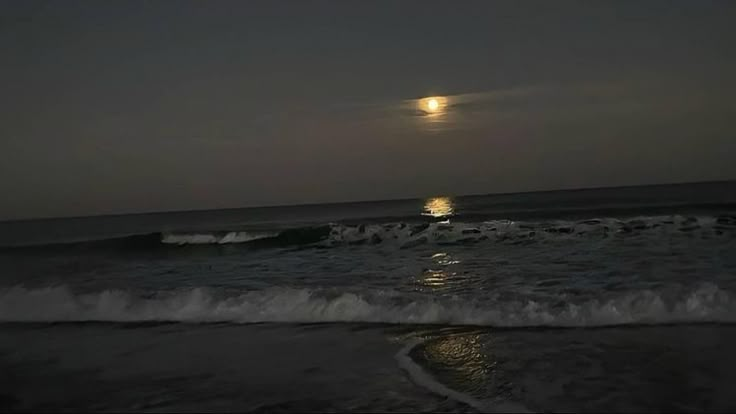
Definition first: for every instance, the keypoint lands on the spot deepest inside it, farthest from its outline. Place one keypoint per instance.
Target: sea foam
(707, 303)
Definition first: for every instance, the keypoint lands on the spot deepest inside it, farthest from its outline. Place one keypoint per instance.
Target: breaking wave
(410, 234)
(213, 238)
(707, 303)
(407, 235)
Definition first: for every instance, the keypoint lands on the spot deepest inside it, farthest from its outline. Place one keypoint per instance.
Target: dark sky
(125, 106)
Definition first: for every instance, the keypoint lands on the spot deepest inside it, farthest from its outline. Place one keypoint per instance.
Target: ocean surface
(617, 299)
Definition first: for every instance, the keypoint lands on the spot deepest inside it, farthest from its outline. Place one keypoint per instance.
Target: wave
(707, 303)
(214, 238)
(407, 235)
(411, 234)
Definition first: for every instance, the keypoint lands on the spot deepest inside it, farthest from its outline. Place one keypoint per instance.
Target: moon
(432, 105)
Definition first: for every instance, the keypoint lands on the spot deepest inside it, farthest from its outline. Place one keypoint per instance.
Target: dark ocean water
(606, 299)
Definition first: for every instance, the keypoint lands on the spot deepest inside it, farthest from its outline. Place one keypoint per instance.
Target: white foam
(427, 381)
(410, 235)
(708, 303)
(212, 238)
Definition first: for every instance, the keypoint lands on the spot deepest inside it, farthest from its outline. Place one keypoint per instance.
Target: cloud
(654, 95)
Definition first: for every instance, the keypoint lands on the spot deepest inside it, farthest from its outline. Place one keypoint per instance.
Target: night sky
(128, 106)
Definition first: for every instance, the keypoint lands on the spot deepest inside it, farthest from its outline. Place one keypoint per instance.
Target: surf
(705, 304)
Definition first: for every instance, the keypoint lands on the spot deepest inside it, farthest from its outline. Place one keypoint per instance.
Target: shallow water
(415, 305)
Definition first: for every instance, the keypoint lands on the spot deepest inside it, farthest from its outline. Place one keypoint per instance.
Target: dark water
(588, 300)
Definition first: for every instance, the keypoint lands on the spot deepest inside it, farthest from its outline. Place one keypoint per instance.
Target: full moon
(432, 105)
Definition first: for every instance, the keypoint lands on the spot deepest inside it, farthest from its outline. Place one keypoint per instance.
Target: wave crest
(213, 238)
(407, 235)
(410, 235)
(707, 303)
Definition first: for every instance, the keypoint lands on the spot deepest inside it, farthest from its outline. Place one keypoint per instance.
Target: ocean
(613, 299)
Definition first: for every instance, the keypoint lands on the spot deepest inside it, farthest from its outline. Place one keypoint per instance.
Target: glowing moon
(432, 105)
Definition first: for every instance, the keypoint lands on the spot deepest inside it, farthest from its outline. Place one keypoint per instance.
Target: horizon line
(296, 205)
